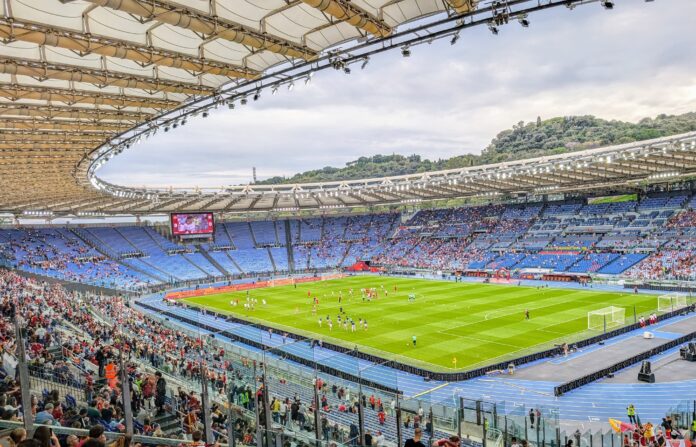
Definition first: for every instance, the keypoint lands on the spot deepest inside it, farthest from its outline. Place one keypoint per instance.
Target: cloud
(635, 61)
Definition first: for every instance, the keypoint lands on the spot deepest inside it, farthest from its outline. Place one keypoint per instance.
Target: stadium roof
(83, 80)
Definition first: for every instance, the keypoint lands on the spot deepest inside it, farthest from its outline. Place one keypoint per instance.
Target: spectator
(416, 440)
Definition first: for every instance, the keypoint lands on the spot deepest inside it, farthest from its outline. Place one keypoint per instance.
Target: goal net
(607, 317)
(671, 301)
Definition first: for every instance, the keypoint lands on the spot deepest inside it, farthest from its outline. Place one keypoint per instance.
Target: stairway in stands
(288, 245)
(210, 259)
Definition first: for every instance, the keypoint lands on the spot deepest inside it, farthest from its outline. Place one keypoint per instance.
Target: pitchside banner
(249, 286)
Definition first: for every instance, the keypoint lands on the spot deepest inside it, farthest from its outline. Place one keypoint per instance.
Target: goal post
(671, 301)
(606, 318)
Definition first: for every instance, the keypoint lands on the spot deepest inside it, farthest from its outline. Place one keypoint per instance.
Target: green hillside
(523, 140)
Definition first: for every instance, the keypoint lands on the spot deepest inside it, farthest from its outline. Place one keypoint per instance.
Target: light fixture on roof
(346, 70)
(308, 79)
(608, 4)
(166, 128)
(230, 105)
(257, 95)
(274, 90)
(205, 114)
(455, 38)
(243, 101)
(493, 28)
(406, 51)
(365, 62)
(291, 86)
(524, 21)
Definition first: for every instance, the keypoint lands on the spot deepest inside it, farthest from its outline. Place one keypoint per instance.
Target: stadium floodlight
(291, 85)
(243, 101)
(608, 4)
(166, 128)
(274, 90)
(524, 21)
(606, 318)
(230, 105)
(307, 80)
(493, 28)
(406, 51)
(671, 301)
(346, 70)
(455, 38)
(205, 114)
(257, 95)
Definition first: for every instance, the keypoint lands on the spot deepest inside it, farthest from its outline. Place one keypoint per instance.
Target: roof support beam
(167, 204)
(16, 29)
(10, 135)
(74, 113)
(16, 92)
(69, 147)
(352, 14)
(100, 78)
(19, 124)
(208, 26)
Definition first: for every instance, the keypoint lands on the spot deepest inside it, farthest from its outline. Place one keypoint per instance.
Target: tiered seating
(301, 256)
(563, 208)
(264, 233)
(224, 260)
(112, 239)
(280, 258)
(240, 234)
(667, 264)
(622, 263)
(58, 253)
(137, 237)
(522, 212)
(221, 240)
(310, 230)
(203, 264)
(506, 261)
(574, 241)
(327, 254)
(592, 262)
(557, 262)
(252, 260)
(605, 238)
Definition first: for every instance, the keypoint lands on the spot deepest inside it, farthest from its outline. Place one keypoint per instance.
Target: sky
(634, 61)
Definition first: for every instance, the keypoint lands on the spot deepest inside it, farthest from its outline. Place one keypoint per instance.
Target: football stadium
(540, 293)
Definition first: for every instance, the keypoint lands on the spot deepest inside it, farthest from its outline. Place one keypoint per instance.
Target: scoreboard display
(192, 224)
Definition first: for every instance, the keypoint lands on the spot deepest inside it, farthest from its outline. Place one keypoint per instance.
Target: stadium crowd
(80, 342)
(437, 239)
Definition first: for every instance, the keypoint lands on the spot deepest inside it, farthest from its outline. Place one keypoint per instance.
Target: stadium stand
(637, 239)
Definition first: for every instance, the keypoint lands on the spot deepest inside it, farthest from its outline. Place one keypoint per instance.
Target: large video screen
(184, 224)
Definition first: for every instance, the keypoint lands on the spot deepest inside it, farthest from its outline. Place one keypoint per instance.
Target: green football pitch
(475, 323)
